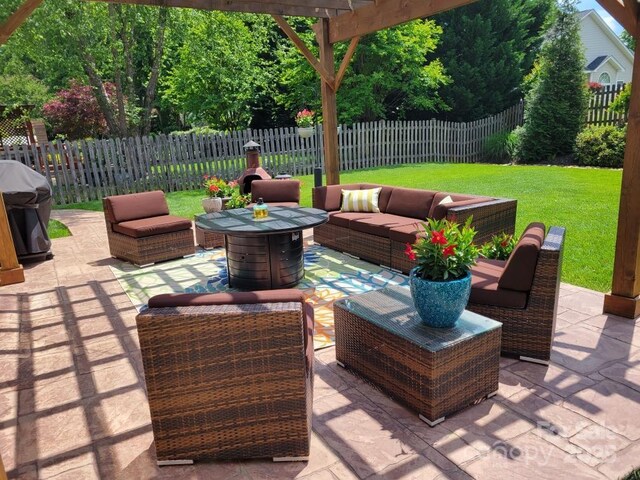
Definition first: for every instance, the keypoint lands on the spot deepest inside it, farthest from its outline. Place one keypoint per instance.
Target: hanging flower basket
(305, 132)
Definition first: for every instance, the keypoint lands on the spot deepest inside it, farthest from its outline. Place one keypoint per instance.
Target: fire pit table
(264, 253)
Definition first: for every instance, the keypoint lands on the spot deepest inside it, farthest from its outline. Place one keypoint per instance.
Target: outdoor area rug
(329, 276)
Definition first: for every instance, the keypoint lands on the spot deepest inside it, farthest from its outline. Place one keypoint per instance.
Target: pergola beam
(619, 12)
(384, 14)
(345, 61)
(17, 18)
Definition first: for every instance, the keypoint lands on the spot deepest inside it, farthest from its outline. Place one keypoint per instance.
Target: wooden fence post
(10, 270)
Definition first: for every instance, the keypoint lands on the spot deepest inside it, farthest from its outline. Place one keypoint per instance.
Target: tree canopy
(487, 48)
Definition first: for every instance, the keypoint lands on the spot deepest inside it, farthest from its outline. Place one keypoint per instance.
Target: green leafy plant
(238, 200)
(499, 247)
(621, 103)
(601, 146)
(304, 118)
(500, 147)
(446, 252)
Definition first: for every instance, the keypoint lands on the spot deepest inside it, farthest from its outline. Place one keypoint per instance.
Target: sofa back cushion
(521, 267)
(410, 202)
(276, 190)
(329, 198)
(122, 208)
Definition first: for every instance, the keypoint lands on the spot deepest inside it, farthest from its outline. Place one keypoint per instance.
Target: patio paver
(73, 402)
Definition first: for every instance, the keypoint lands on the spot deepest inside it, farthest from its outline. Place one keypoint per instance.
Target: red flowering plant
(445, 252)
(304, 118)
(499, 247)
(217, 187)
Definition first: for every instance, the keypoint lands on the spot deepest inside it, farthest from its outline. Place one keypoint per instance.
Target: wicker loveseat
(229, 375)
(141, 231)
(522, 292)
(281, 193)
(382, 237)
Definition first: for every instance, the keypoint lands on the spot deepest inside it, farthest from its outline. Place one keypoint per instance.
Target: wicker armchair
(229, 375)
(528, 308)
(141, 231)
(282, 193)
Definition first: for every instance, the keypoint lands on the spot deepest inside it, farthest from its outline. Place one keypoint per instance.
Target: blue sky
(587, 4)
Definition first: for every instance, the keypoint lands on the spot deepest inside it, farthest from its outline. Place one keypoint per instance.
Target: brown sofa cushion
(329, 198)
(410, 202)
(380, 224)
(485, 289)
(121, 208)
(405, 233)
(521, 266)
(226, 298)
(343, 219)
(272, 191)
(146, 227)
(439, 212)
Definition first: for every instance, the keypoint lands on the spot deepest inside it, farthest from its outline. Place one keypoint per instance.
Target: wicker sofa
(229, 375)
(141, 231)
(522, 292)
(280, 193)
(382, 237)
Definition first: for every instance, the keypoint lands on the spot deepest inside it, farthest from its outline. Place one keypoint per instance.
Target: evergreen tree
(487, 48)
(555, 107)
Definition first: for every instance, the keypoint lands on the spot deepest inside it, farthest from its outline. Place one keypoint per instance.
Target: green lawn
(583, 200)
(57, 229)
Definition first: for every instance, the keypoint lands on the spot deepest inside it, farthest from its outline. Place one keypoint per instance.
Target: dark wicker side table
(207, 239)
(437, 372)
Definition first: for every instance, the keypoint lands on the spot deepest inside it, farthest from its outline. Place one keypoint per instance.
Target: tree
(487, 48)
(75, 113)
(555, 107)
(122, 44)
(628, 40)
(23, 89)
(217, 69)
(388, 78)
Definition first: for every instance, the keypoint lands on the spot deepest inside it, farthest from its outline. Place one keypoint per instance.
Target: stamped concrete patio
(73, 402)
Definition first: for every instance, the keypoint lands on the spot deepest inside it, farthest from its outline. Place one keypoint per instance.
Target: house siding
(596, 42)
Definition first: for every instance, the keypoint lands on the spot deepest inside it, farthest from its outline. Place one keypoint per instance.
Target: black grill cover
(27, 196)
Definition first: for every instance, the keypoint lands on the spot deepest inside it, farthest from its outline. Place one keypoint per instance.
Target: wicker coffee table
(380, 336)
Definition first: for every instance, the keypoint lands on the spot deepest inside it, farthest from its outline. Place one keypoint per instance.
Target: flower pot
(212, 204)
(306, 132)
(440, 304)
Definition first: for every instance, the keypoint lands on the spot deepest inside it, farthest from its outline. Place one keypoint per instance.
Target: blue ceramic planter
(440, 304)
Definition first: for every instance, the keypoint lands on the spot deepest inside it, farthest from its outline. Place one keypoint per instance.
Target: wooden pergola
(348, 20)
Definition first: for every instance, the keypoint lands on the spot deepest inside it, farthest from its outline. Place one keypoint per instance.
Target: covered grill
(27, 197)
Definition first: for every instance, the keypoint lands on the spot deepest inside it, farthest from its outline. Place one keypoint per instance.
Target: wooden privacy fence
(91, 169)
(599, 113)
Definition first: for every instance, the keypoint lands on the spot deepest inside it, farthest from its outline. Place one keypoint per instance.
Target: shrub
(621, 103)
(499, 147)
(601, 146)
(75, 112)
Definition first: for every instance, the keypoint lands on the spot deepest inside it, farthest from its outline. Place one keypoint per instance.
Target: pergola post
(329, 109)
(624, 299)
(10, 270)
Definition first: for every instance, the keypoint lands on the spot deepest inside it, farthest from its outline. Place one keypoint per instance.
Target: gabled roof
(607, 30)
(596, 63)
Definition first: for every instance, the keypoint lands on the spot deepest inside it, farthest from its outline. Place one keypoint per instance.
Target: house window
(604, 79)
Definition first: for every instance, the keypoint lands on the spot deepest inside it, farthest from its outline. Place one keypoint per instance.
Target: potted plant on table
(217, 190)
(441, 282)
(304, 121)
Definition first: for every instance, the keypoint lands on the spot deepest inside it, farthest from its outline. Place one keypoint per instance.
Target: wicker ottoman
(379, 336)
(209, 240)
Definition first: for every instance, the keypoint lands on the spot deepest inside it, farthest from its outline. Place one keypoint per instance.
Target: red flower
(409, 252)
(206, 176)
(438, 237)
(504, 243)
(214, 188)
(447, 252)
